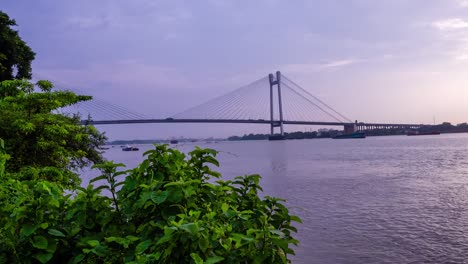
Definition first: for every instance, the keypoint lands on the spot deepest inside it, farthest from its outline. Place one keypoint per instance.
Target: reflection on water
(376, 200)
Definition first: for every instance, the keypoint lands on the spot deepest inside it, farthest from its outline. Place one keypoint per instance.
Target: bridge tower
(274, 123)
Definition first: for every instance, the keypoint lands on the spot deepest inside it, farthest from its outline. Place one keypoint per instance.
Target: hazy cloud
(126, 73)
(463, 3)
(450, 24)
(88, 22)
(338, 63)
(317, 67)
(177, 16)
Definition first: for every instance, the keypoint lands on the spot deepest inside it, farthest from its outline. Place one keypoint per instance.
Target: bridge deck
(245, 121)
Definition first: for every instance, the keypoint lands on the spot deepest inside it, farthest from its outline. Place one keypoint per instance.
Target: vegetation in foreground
(170, 209)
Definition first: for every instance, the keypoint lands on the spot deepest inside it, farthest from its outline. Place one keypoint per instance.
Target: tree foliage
(169, 209)
(41, 141)
(15, 55)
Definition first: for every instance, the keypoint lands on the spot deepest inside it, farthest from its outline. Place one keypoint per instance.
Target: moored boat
(417, 133)
(130, 148)
(351, 135)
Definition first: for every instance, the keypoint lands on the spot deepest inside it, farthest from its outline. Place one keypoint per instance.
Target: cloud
(338, 63)
(124, 73)
(317, 67)
(171, 36)
(460, 50)
(126, 15)
(450, 24)
(88, 22)
(462, 56)
(178, 16)
(454, 37)
(463, 3)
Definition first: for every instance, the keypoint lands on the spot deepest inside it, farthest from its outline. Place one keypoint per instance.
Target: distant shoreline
(445, 128)
(160, 141)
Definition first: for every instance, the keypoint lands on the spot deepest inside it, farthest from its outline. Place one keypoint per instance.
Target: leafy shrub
(169, 209)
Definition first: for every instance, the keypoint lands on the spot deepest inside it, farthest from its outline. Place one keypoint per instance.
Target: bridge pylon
(274, 123)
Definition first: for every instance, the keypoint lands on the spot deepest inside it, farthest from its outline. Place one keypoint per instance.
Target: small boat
(351, 135)
(417, 133)
(130, 148)
(173, 141)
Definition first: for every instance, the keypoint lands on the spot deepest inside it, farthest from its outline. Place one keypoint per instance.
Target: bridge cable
(316, 98)
(305, 98)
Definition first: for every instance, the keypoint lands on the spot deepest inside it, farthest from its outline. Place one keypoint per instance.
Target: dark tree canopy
(15, 55)
(36, 135)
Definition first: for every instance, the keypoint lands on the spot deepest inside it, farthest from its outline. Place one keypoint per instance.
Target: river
(395, 199)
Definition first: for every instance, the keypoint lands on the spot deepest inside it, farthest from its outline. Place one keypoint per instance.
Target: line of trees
(322, 133)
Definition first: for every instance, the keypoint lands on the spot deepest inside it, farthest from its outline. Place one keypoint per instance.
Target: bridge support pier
(350, 128)
(274, 123)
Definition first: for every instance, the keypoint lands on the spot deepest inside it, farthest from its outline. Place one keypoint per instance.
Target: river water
(392, 199)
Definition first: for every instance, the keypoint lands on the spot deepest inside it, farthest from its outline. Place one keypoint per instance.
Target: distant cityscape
(445, 127)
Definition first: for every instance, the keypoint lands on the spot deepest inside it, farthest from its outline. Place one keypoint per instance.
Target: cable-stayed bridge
(274, 100)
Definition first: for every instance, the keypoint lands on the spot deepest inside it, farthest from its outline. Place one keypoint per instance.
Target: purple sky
(375, 61)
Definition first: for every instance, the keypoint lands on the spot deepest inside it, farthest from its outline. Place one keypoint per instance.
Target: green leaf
(144, 197)
(45, 85)
(52, 247)
(224, 207)
(54, 203)
(296, 219)
(55, 232)
(203, 243)
(98, 178)
(43, 257)
(211, 160)
(214, 259)
(27, 230)
(280, 242)
(132, 238)
(165, 238)
(175, 196)
(100, 251)
(102, 187)
(119, 240)
(93, 243)
(40, 242)
(196, 258)
(159, 197)
(190, 227)
(142, 246)
(78, 259)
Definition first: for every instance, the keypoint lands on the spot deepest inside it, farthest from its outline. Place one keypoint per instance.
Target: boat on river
(417, 133)
(351, 135)
(130, 148)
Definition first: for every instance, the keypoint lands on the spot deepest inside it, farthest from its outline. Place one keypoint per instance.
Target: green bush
(169, 209)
